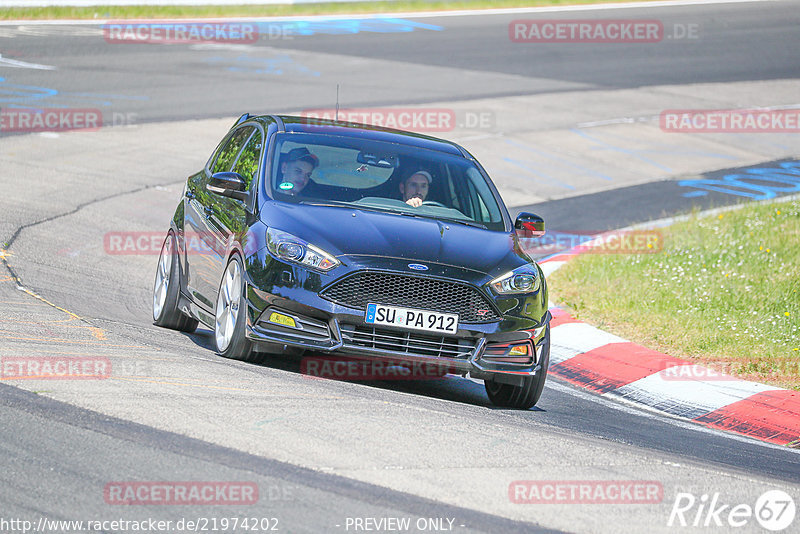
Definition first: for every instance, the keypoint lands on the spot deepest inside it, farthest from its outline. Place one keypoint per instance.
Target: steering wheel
(432, 203)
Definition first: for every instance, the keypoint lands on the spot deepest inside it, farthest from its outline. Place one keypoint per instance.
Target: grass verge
(723, 292)
(337, 8)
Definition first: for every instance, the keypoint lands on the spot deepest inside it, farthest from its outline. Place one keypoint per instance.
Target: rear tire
(166, 288)
(230, 316)
(522, 397)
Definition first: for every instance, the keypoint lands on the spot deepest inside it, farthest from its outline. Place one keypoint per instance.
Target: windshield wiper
(335, 204)
(467, 223)
(390, 210)
(409, 214)
(329, 203)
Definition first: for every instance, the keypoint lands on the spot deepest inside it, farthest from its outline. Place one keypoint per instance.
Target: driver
(414, 189)
(296, 169)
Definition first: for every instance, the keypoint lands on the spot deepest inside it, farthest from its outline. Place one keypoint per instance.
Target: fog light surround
(516, 353)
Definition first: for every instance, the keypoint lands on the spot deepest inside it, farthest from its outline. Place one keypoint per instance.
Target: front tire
(230, 316)
(166, 288)
(522, 397)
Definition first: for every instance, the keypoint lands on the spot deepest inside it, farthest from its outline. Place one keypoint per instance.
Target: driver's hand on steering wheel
(414, 202)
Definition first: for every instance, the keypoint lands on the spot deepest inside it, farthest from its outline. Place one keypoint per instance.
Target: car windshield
(376, 175)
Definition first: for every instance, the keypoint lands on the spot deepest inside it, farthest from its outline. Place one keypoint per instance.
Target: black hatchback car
(332, 237)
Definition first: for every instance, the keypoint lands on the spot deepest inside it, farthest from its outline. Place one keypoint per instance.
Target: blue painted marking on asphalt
(692, 194)
(112, 97)
(345, 26)
(31, 96)
(769, 181)
(548, 179)
(627, 151)
(549, 156)
(11, 93)
(759, 139)
(290, 28)
(255, 65)
(683, 152)
(672, 149)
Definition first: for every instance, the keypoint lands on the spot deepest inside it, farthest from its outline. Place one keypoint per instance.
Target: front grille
(357, 290)
(410, 343)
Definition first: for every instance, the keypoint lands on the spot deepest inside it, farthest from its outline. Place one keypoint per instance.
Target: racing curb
(611, 366)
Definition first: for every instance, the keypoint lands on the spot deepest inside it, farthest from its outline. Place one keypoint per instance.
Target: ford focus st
(311, 235)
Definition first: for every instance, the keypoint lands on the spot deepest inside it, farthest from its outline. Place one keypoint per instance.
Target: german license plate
(429, 321)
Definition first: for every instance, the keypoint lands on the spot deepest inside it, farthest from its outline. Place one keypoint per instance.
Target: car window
(247, 164)
(377, 175)
(231, 149)
(339, 167)
(483, 211)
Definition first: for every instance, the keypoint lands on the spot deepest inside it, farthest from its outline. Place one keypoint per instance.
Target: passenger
(415, 188)
(296, 169)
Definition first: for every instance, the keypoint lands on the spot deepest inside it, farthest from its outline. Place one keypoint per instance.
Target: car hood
(352, 232)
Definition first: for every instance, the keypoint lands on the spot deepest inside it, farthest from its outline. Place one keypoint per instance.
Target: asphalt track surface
(323, 451)
(473, 57)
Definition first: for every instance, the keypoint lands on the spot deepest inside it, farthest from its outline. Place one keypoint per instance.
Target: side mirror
(228, 184)
(530, 224)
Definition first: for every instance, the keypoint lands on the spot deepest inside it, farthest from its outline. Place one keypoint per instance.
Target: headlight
(293, 249)
(523, 279)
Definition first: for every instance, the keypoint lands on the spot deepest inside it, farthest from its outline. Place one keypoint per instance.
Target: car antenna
(337, 103)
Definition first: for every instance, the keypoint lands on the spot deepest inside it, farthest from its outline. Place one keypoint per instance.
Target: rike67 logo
(774, 510)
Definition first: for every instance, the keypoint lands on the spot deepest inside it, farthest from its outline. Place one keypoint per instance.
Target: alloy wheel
(230, 294)
(161, 285)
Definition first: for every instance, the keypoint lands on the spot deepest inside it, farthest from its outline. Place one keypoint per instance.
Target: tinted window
(247, 164)
(231, 149)
(377, 175)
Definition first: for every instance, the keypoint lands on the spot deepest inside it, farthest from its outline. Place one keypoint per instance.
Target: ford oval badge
(417, 266)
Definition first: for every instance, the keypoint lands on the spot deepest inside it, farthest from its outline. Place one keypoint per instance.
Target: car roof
(297, 124)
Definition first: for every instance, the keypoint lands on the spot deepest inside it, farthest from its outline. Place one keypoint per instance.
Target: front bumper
(470, 352)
